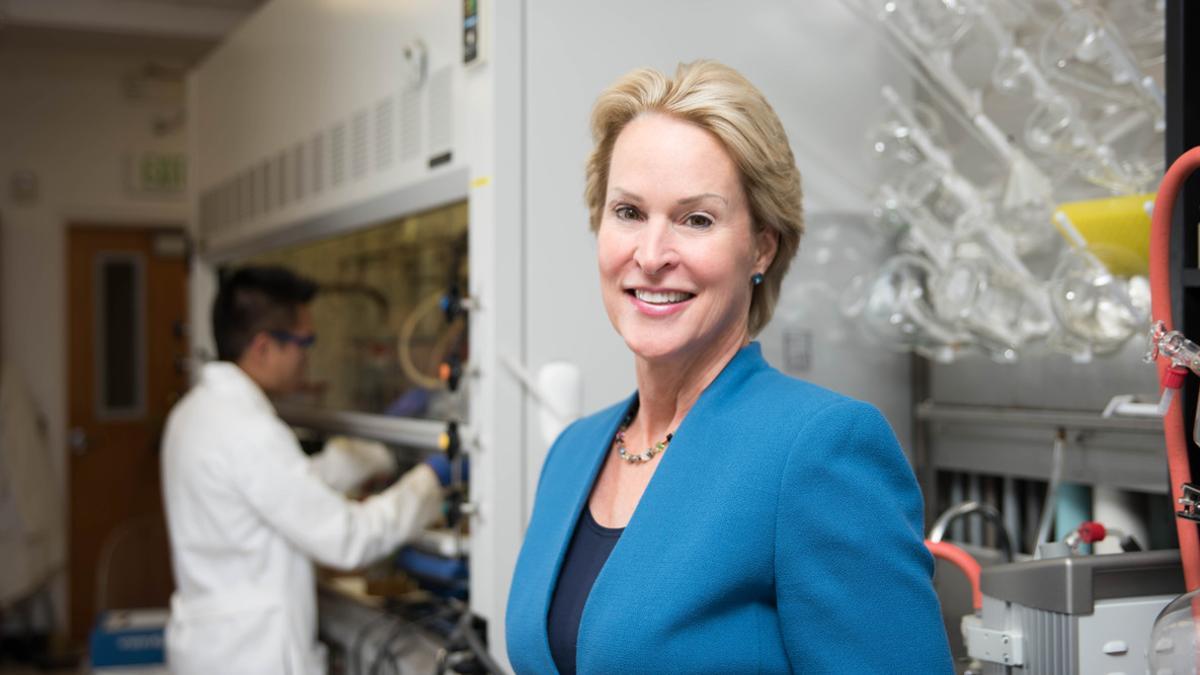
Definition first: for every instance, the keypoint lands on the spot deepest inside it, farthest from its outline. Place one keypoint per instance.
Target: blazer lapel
(570, 495)
(667, 493)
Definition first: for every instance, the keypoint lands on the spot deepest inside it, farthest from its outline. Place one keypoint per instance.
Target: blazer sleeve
(853, 578)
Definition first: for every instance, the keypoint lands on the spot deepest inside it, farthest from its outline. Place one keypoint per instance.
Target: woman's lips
(656, 302)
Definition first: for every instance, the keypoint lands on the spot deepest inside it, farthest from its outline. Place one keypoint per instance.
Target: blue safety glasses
(302, 341)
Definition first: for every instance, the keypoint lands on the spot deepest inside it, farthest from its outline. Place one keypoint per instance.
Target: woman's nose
(656, 247)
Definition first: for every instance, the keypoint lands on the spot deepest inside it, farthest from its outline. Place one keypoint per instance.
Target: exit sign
(158, 173)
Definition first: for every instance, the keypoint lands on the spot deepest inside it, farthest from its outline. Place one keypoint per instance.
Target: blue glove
(440, 464)
(413, 403)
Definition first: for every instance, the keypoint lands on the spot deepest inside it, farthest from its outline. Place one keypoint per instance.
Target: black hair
(252, 300)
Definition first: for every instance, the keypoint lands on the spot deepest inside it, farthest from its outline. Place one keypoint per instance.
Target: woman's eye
(626, 213)
(698, 220)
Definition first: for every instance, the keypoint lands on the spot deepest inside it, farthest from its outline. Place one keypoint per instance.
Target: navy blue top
(590, 546)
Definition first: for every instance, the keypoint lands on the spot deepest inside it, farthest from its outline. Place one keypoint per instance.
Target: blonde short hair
(718, 99)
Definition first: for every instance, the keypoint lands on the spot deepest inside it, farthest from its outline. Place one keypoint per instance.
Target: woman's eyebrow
(621, 193)
(688, 201)
(626, 194)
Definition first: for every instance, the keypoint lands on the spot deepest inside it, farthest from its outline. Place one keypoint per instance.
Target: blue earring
(757, 278)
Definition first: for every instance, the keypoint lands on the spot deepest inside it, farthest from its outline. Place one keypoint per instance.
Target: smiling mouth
(660, 297)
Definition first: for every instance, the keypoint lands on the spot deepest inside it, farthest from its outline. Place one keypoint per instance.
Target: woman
(725, 518)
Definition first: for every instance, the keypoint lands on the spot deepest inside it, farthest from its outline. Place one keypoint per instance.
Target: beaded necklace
(641, 457)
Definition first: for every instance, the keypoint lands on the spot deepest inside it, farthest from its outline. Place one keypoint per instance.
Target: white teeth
(661, 298)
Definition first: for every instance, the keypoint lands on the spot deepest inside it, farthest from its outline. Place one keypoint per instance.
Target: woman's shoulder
(775, 394)
(787, 414)
(750, 383)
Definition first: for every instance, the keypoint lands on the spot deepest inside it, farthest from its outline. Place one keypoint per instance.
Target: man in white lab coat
(248, 512)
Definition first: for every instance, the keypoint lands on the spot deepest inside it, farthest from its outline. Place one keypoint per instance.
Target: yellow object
(1116, 230)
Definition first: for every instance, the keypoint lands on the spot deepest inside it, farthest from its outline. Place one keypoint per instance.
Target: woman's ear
(767, 245)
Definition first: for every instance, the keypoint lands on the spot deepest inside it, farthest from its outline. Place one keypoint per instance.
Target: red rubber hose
(964, 561)
(1174, 427)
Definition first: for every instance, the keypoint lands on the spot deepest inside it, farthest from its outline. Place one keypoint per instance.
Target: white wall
(66, 116)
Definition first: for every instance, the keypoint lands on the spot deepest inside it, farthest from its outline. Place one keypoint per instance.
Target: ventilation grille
(262, 185)
(318, 162)
(441, 114)
(269, 185)
(410, 125)
(372, 140)
(358, 145)
(1051, 643)
(385, 116)
(237, 200)
(249, 195)
(338, 150)
(282, 184)
(298, 173)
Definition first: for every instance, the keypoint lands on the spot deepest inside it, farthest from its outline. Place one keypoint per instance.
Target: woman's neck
(668, 388)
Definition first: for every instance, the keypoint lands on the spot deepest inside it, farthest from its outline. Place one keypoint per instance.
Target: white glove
(346, 462)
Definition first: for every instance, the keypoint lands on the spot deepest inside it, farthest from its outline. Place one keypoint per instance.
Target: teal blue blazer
(782, 531)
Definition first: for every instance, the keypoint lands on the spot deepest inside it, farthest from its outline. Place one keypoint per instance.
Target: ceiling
(207, 20)
(240, 5)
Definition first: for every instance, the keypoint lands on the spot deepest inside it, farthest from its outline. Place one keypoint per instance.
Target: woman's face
(676, 247)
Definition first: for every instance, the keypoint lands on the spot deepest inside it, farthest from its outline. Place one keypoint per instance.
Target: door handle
(77, 440)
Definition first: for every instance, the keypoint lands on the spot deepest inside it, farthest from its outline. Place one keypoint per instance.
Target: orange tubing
(1174, 426)
(965, 562)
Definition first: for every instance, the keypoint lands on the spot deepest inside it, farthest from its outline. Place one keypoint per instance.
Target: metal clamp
(994, 646)
(1182, 352)
(1190, 501)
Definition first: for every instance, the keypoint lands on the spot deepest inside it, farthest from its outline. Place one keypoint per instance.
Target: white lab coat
(31, 504)
(247, 513)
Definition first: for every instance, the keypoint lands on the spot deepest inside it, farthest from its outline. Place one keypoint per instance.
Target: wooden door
(127, 295)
